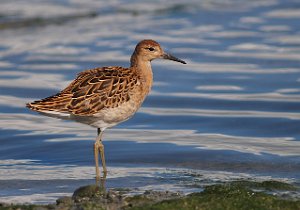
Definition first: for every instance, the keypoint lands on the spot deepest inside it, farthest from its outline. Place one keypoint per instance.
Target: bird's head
(148, 50)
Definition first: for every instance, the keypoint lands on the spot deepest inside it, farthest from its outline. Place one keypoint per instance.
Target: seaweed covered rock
(238, 195)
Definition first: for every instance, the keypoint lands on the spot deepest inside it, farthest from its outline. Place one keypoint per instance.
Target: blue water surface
(232, 112)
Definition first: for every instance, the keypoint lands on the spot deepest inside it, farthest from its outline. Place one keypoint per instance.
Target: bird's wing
(90, 92)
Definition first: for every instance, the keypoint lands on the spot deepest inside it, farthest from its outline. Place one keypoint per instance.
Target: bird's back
(92, 91)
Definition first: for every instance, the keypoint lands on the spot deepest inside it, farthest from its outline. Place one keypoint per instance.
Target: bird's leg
(101, 150)
(99, 147)
(96, 161)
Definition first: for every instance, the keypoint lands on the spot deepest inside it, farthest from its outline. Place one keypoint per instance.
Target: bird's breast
(113, 116)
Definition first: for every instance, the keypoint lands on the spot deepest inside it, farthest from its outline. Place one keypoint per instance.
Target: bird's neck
(143, 69)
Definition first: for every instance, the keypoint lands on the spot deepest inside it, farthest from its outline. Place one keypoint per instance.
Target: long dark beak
(173, 58)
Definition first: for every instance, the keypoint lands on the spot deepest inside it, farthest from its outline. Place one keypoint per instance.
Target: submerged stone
(88, 192)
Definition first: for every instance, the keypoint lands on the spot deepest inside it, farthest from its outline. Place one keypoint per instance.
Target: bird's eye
(150, 48)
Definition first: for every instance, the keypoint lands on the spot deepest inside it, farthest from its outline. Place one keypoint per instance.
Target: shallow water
(233, 112)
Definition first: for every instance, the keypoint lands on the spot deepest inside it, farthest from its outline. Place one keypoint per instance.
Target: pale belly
(107, 118)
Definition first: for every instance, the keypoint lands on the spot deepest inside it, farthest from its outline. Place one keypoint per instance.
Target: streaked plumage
(92, 92)
(104, 97)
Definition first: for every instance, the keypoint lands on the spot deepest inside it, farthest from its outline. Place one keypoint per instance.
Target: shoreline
(232, 195)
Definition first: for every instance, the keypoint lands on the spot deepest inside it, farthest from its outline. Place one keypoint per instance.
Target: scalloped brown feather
(92, 91)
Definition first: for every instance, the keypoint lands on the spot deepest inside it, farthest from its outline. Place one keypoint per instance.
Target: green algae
(138, 200)
(270, 185)
(226, 196)
(150, 197)
(238, 195)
